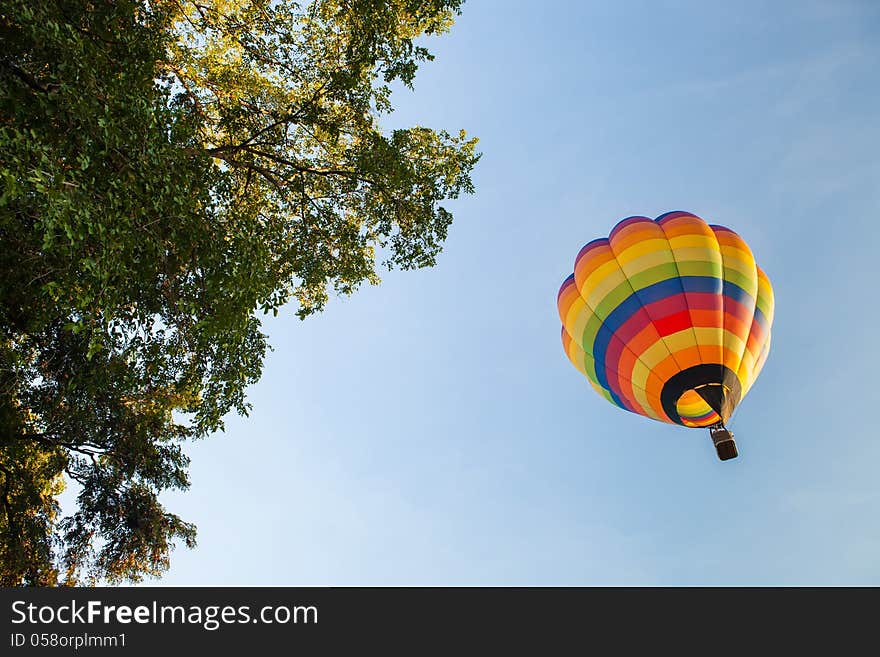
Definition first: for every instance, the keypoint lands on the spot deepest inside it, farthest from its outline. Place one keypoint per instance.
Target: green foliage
(168, 172)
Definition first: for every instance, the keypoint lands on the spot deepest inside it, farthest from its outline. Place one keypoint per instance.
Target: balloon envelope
(668, 318)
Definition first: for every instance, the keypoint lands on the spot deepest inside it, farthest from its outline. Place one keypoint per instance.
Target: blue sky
(430, 431)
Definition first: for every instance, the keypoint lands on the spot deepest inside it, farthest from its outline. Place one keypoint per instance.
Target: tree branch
(30, 80)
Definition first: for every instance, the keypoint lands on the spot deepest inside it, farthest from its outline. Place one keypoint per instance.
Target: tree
(170, 171)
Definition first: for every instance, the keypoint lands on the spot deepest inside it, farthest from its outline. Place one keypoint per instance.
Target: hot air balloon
(669, 318)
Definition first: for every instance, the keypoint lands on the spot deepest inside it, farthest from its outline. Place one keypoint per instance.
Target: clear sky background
(431, 431)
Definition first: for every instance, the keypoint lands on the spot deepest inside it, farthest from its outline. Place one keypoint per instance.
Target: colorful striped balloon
(668, 318)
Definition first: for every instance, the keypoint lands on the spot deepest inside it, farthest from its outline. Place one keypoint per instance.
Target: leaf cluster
(169, 171)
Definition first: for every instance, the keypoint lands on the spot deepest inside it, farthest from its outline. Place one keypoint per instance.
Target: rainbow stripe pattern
(669, 318)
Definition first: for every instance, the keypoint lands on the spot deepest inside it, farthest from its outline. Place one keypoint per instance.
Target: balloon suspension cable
(722, 438)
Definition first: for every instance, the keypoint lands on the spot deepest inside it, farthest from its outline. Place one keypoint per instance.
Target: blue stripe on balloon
(761, 319)
(738, 294)
(604, 335)
(609, 326)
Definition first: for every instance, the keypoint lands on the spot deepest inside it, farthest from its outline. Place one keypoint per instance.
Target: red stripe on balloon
(673, 323)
